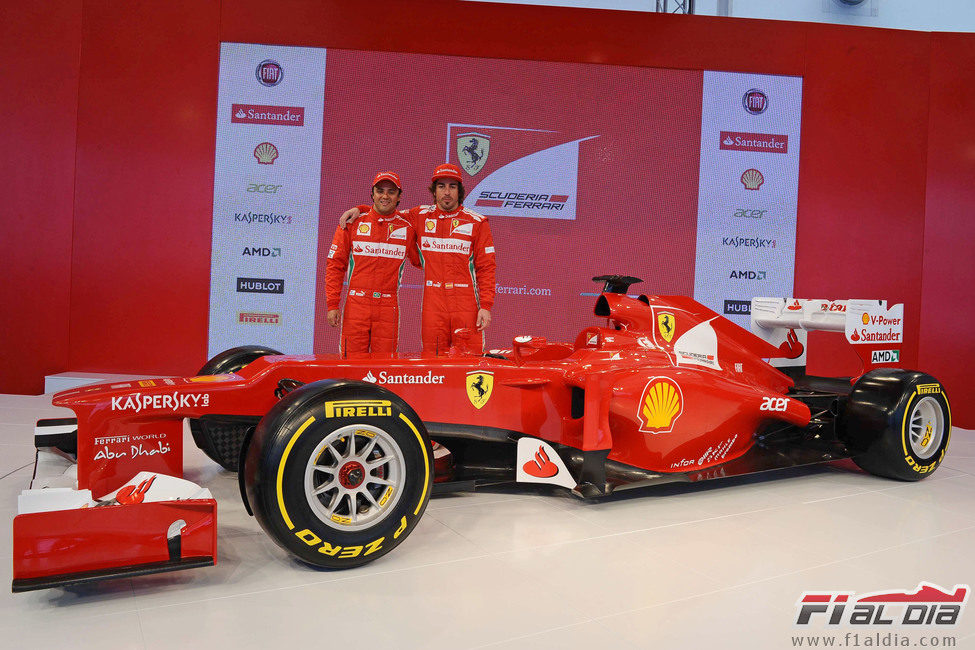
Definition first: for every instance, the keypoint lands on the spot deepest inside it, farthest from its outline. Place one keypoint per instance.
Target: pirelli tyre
(338, 473)
(897, 423)
(221, 438)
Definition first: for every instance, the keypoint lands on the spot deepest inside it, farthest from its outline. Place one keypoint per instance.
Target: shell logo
(661, 403)
(430, 225)
(266, 153)
(865, 319)
(364, 228)
(752, 179)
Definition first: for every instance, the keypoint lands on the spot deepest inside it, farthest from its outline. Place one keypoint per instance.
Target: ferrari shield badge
(665, 325)
(480, 385)
(472, 151)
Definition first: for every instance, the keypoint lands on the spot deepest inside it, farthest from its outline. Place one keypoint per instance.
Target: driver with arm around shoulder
(458, 259)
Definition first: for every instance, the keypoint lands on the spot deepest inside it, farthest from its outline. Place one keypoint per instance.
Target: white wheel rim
(354, 477)
(927, 427)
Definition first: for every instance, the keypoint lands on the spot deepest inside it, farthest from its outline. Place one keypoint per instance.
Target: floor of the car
(838, 385)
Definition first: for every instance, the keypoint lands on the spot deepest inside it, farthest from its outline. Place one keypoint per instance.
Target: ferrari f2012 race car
(337, 458)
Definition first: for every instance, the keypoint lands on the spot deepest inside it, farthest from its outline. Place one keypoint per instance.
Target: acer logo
(774, 404)
(263, 188)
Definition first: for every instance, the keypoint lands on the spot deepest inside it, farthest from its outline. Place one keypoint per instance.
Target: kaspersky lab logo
(928, 605)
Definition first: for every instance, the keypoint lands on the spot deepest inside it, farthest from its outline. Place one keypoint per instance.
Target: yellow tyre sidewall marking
(426, 463)
(905, 434)
(284, 460)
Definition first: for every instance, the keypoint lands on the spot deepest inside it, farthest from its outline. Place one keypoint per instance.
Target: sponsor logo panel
(358, 408)
(384, 377)
(269, 115)
(539, 462)
(260, 285)
(752, 179)
(661, 403)
(876, 325)
(743, 307)
(269, 73)
(265, 153)
(261, 251)
(258, 318)
(755, 101)
(747, 274)
(738, 241)
(885, 356)
(264, 188)
(378, 249)
(139, 402)
(760, 142)
(266, 218)
(445, 245)
(746, 213)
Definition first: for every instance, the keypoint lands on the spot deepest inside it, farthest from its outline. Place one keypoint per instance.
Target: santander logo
(541, 466)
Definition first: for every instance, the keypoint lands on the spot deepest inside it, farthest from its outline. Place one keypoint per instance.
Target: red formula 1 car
(336, 459)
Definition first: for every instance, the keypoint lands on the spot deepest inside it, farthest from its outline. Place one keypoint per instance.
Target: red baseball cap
(447, 170)
(392, 177)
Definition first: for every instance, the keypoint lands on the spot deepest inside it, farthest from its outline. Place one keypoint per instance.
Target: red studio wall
(107, 244)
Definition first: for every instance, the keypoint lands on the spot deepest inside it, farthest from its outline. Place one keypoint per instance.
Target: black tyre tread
(221, 440)
(234, 359)
(874, 423)
(265, 451)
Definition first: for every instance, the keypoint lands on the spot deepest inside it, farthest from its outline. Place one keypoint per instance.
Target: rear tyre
(221, 440)
(338, 473)
(897, 423)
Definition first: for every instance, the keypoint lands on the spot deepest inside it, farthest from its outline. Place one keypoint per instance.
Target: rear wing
(875, 331)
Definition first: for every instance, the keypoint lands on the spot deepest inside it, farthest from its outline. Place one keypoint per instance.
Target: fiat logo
(269, 73)
(755, 101)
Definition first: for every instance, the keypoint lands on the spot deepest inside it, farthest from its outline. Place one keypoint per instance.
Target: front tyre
(221, 439)
(897, 423)
(338, 473)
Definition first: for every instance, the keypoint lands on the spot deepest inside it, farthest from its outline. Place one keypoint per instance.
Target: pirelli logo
(928, 389)
(354, 408)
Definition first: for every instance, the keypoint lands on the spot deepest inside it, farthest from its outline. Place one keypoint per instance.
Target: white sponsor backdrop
(748, 233)
(265, 216)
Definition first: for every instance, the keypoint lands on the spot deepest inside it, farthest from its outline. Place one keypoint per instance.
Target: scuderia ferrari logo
(472, 151)
(665, 324)
(480, 385)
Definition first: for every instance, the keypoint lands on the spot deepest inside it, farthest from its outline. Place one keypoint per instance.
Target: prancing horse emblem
(480, 385)
(665, 325)
(472, 151)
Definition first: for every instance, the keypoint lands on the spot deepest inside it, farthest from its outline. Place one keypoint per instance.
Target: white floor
(716, 565)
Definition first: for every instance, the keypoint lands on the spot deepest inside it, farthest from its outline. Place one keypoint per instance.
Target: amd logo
(254, 251)
(748, 275)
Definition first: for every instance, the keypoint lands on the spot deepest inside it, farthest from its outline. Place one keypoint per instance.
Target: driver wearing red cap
(375, 252)
(457, 255)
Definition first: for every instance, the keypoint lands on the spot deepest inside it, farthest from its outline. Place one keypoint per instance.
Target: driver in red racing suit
(457, 254)
(376, 251)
